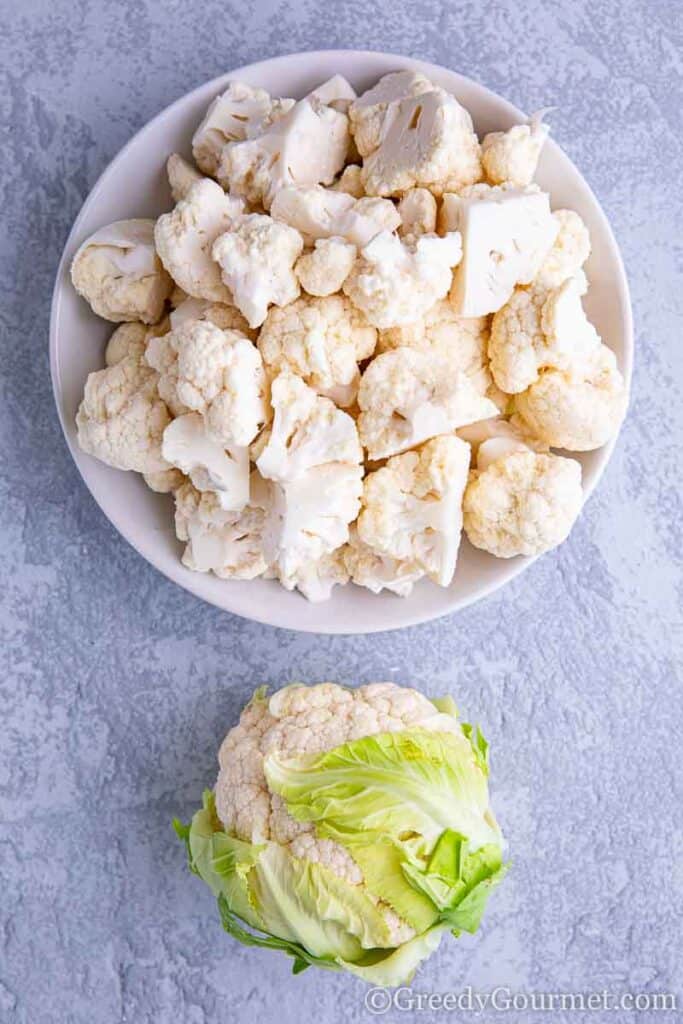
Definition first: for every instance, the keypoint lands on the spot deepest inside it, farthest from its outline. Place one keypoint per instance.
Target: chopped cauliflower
(118, 272)
(429, 142)
(395, 282)
(569, 251)
(232, 117)
(411, 507)
(228, 318)
(578, 409)
(121, 419)
(512, 156)
(375, 571)
(350, 181)
(522, 504)
(165, 481)
(127, 340)
(417, 210)
(491, 439)
(334, 92)
(181, 176)
(189, 447)
(317, 579)
(257, 260)
(407, 397)
(323, 271)
(318, 212)
(322, 340)
(184, 238)
(213, 372)
(375, 106)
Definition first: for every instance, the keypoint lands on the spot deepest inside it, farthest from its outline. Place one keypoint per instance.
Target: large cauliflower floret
(318, 212)
(412, 506)
(121, 419)
(257, 260)
(395, 282)
(184, 238)
(512, 156)
(523, 503)
(181, 176)
(232, 117)
(429, 141)
(216, 373)
(407, 397)
(188, 446)
(322, 340)
(118, 272)
(375, 571)
(369, 112)
(569, 252)
(578, 409)
(323, 271)
(228, 318)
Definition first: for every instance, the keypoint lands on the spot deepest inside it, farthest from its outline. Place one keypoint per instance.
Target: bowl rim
(509, 569)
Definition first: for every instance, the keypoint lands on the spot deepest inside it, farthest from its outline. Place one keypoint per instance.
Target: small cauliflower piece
(318, 212)
(334, 92)
(307, 431)
(506, 235)
(321, 340)
(512, 156)
(350, 181)
(121, 419)
(491, 439)
(411, 507)
(165, 481)
(189, 447)
(213, 372)
(375, 571)
(569, 252)
(181, 176)
(578, 409)
(407, 397)
(524, 503)
(127, 340)
(323, 271)
(417, 210)
(231, 117)
(228, 318)
(375, 106)
(429, 141)
(317, 579)
(118, 272)
(184, 238)
(395, 282)
(257, 260)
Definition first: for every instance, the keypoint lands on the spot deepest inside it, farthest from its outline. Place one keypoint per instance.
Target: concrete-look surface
(116, 686)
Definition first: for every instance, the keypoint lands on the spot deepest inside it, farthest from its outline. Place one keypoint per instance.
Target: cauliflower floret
(307, 146)
(323, 271)
(570, 250)
(181, 176)
(216, 373)
(257, 264)
(407, 397)
(307, 431)
(417, 210)
(127, 340)
(227, 543)
(118, 272)
(428, 141)
(166, 481)
(350, 181)
(184, 238)
(491, 439)
(233, 116)
(375, 571)
(369, 112)
(506, 234)
(512, 156)
(228, 318)
(122, 418)
(395, 282)
(189, 447)
(321, 340)
(318, 212)
(334, 92)
(578, 409)
(523, 504)
(317, 579)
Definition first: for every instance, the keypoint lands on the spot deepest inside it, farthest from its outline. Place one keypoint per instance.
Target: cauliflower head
(512, 156)
(322, 271)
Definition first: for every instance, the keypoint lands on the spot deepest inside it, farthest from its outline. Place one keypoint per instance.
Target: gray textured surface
(116, 686)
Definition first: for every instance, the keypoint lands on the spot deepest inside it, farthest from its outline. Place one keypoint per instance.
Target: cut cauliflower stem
(512, 156)
(257, 260)
(189, 447)
(323, 271)
(506, 235)
(370, 111)
(411, 507)
(569, 251)
(395, 282)
(184, 238)
(228, 318)
(118, 272)
(376, 572)
(318, 212)
(213, 372)
(417, 210)
(429, 141)
(407, 397)
(181, 176)
(578, 409)
(322, 340)
(306, 146)
(233, 116)
(523, 503)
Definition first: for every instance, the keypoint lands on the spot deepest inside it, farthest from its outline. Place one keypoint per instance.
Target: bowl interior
(134, 185)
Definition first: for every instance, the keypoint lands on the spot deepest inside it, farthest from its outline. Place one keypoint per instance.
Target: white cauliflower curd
(569, 251)
(181, 176)
(189, 447)
(375, 571)
(322, 271)
(512, 156)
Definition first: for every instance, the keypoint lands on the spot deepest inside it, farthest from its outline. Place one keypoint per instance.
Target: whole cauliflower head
(323, 271)
(578, 409)
(118, 272)
(375, 571)
(569, 252)
(377, 105)
(257, 264)
(213, 372)
(524, 503)
(512, 156)
(412, 507)
(321, 340)
(407, 397)
(238, 112)
(395, 282)
(184, 238)
(181, 176)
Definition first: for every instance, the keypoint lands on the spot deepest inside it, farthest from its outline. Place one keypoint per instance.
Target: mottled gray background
(117, 686)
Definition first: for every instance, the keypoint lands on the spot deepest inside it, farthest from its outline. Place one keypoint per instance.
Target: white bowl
(134, 185)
